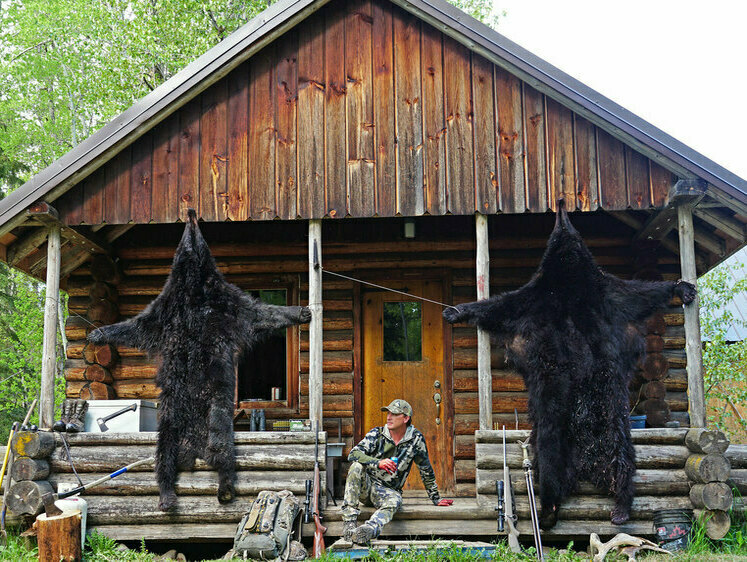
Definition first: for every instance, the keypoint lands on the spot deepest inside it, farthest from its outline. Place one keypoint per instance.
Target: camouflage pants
(360, 487)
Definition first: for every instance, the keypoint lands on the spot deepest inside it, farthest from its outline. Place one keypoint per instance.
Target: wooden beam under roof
(110, 236)
(726, 224)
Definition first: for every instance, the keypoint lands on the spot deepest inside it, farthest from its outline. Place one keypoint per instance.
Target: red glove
(445, 503)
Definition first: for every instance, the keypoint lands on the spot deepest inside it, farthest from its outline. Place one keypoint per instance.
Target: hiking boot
(348, 528)
(364, 534)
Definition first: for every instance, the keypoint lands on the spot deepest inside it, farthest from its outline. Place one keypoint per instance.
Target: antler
(627, 544)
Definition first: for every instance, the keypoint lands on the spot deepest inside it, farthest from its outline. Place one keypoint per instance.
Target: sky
(678, 64)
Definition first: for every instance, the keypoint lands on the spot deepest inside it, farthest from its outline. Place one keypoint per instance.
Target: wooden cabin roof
(360, 108)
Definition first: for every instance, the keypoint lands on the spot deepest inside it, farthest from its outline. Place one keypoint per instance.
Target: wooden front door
(403, 357)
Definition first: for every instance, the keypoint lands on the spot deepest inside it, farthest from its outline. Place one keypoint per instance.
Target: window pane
(264, 368)
(402, 331)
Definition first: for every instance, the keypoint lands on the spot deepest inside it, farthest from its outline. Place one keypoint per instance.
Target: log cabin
(393, 143)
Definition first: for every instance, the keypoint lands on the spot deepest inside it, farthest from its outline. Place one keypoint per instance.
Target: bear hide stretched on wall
(572, 333)
(196, 327)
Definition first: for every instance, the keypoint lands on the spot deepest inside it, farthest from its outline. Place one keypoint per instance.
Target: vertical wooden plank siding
(358, 61)
(561, 158)
(587, 182)
(286, 99)
(141, 179)
(70, 204)
(311, 117)
(213, 153)
(459, 148)
(383, 108)
(661, 182)
(93, 198)
(237, 150)
(408, 112)
(639, 184)
(611, 154)
(509, 105)
(335, 128)
(484, 124)
(262, 136)
(434, 121)
(536, 165)
(120, 201)
(165, 170)
(189, 157)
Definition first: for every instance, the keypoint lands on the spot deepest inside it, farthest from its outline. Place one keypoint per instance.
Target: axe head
(102, 425)
(49, 507)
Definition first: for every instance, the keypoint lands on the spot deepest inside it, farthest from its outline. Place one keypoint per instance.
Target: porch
(677, 469)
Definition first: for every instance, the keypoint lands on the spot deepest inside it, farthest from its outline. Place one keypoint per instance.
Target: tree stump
(58, 537)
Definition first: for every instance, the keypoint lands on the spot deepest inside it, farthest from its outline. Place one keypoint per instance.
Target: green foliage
(21, 332)
(724, 362)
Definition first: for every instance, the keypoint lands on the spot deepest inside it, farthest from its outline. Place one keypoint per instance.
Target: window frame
(292, 348)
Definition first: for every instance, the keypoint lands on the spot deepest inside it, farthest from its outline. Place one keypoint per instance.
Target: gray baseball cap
(398, 406)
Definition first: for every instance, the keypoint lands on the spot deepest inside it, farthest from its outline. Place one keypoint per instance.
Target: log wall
(676, 469)
(445, 247)
(127, 506)
(364, 110)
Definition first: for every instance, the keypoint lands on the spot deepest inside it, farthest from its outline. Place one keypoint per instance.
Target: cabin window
(403, 334)
(265, 376)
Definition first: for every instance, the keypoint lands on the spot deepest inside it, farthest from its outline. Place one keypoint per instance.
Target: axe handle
(103, 479)
(131, 407)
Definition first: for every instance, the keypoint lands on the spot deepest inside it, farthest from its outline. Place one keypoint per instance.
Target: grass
(732, 548)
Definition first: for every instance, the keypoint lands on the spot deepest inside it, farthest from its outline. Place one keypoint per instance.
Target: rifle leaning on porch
(509, 516)
(319, 529)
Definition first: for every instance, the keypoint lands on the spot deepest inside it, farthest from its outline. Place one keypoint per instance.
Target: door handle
(437, 400)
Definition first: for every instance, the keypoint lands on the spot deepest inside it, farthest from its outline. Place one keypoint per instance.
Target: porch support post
(484, 375)
(693, 343)
(49, 350)
(315, 326)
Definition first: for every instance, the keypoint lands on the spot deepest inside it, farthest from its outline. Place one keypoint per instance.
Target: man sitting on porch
(377, 480)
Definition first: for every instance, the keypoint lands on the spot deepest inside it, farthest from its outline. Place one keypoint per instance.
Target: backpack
(266, 530)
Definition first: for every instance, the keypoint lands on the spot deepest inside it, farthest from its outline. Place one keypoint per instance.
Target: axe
(49, 498)
(102, 421)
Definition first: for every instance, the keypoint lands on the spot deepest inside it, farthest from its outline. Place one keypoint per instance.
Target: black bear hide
(571, 332)
(196, 327)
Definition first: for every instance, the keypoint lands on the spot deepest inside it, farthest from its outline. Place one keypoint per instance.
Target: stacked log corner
(89, 368)
(659, 387)
(660, 480)
(708, 470)
(30, 472)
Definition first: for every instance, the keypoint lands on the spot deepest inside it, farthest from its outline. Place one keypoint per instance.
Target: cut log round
(103, 268)
(717, 523)
(656, 325)
(37, 445)
(102, 311)
(103, 291)
(714, 495)
(657, 412)
(105, 355)
(97, 391)
(26, 468)
(701, 440)
(58, 536)
(654, 343)
(737, 455)
(25, 498)
(655, 366)
(707, 468)
(97, 373)
(654, 389)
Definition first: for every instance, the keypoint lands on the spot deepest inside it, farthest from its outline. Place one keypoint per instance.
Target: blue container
(637, 422)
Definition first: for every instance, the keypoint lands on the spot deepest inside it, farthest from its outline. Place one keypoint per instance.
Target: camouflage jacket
(378, 445)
